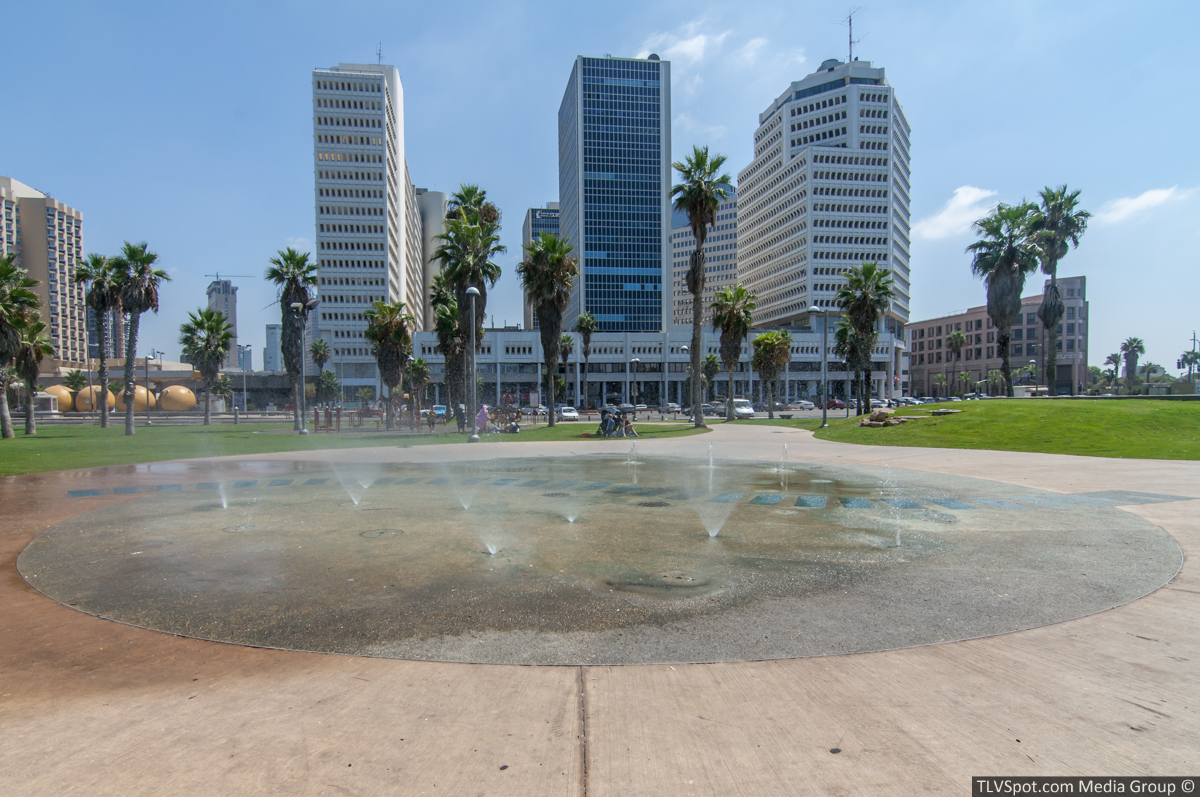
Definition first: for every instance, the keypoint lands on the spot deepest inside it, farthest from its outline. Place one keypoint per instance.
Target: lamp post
(633, 369)
(824, 312)
(146, 360)
(247, 359)
(684, 349)
(304, 309)
(474, 438)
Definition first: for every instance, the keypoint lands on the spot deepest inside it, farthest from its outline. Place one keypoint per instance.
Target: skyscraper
(46, 238)
(273, 351)
(538, 221)
(720, 258)
(368, 226)
(614, 178)
(222, 297)
(828, 189)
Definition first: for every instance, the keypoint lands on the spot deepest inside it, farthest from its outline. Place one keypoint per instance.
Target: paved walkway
(92, 707)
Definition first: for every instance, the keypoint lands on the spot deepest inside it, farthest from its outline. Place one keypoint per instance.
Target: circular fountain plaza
(599, 559)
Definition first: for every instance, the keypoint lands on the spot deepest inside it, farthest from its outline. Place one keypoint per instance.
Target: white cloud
(748, 53)
(686, 124)
(957, 215)
(1121, 209)
(299, 243)
(687, 48)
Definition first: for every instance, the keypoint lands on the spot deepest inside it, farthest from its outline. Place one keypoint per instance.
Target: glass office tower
(614, 177)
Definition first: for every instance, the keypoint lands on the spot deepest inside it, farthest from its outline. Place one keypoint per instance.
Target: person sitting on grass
(627, 429)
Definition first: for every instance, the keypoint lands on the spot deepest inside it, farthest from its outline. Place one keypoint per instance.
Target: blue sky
(188, 124)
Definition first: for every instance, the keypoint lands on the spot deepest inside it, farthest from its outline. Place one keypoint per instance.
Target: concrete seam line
(583, 731)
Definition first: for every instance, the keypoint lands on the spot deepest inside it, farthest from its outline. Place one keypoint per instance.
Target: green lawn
(61, 447)
(1100, 428)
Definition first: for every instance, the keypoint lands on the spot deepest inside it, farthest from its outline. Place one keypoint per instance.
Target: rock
(945, 412)
(880, 415)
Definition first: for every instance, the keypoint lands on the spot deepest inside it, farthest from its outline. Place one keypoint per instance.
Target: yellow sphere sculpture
(84, 401)
(139, 399)
(176, 398)
(63, 394)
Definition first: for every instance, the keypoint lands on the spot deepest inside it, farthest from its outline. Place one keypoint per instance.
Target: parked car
(641, 408)
(568, 414)
(802, 405)
(538, 410)
(835, 404)
(671, 406)
(878, 404)
(629, 408)
(705, 409)
(439, 410)
(742, 408)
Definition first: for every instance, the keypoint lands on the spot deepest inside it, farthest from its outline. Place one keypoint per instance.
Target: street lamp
(474, 438)
(824, 312)
(152, 355)
(634, 370)
(303, 309)
(685, 349)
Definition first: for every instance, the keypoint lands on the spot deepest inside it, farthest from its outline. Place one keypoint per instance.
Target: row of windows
(338, 210)
(351, 264)
(326, 85)
(351, 193)
(818, 121)
(837, 131)
(351, 157)
(816, 106)
(358, 105)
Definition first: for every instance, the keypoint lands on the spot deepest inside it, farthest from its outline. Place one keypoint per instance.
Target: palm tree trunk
(135, 320)
(586, 368)
(1002, 338)
(729, 398)
(296, 402)
(102, 337)
(770, 386)
(30, 401)
(6, 427)
(207, 404)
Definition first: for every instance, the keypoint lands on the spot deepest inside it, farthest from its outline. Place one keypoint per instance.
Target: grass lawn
(61, 447)
(1125, 428)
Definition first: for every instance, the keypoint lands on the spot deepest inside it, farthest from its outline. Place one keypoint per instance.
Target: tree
(772, 352)
(1190, 360)
(139, 281)
(964, 381)
(733, 314)
(955, 342)
(1055, 225)
(710, 368)
(994, 379)
(327, 386)
(548, 273)
(1003, 256)
(1113, 363)
(319, 351)
(391, 343)
(418, 375)
(75, 380)
(365, 394)
(700, 193)
(33, 344)
(939, 383)
(223, 387)
(863, 298)
(206, 337)
(586, 325)
(452, 346)
(294, 277)
(103, 296)
(17, 303)
(566, 345)
(1131, 349)
(471, 240)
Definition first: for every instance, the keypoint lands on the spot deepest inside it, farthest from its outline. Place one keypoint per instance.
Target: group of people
(497, 422)
(615, 424)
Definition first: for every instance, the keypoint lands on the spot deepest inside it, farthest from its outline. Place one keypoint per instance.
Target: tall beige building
(46, 237)
(222, 297)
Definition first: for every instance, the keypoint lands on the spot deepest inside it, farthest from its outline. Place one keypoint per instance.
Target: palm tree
(994, 379)
(103, 296)
(939, 382)
(139, 282)
(391, 343)
(1131, 349)
(206, 337)
(548, 273)
(295, 277)
(75, 380)
(955, 342)
(732, 313)
(326, 387)
(319, 351)
(863, 298)
(17, 303)
(1003, 256)
(452, 346)
(1113, 362)
(709, 369)
(586, 325)
(772, 352)
(964, 381)
(1190, 359)
(471, 240)
(223, 387)
(1056, 225)
(32, 346)
(699, 195)
(418, 377)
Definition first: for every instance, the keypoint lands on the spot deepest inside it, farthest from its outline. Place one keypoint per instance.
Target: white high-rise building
(828, 190)
(368, 225)
(720, 259)
(222, 297)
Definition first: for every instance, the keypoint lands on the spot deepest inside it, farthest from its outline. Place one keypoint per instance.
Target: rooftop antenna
(228, 276)
(850, 34)
(379, 53)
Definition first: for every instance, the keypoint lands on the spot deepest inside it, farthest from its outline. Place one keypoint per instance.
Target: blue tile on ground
(811, 501)
(440, 480)
(728, 498)
(410, 480)
(687, 495)
(502, 482)
(534, 483)
(280, 482)
(950, 503)
(902, 503)
(1128, 497)
(82, 493)
(316, 481)
(769, 499)
(476, 480)
(1042, 502)
(246, 483)
(208, 485)
(1087, 500)
(167, 488)
(126, 490)
(377, 482)
(855, 503)
(596, 486)
(995, 503)
(625, 488)
(561, 485)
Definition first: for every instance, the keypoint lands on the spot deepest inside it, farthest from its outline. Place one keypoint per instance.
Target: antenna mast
(851, 41)
(379, 53)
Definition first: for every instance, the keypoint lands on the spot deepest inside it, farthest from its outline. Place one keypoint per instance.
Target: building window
(1016, 348)
(1016, 334)
(1070, 345)
(1070, 312)
(991, 351)
(1070, 329)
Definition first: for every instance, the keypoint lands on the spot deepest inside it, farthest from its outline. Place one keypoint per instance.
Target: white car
(568, 413)
(742, 408)
(802, 405)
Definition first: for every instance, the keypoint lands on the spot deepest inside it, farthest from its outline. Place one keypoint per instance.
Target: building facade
(114, 339)
(614, 178)
(273, 350)
(720, 259)
(936, 370)
(222, 297)
(368, 224)
(46, 238)
(538, 221)
(828, 190)
(431, 206)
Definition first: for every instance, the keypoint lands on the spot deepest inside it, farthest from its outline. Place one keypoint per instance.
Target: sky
(188, 125)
